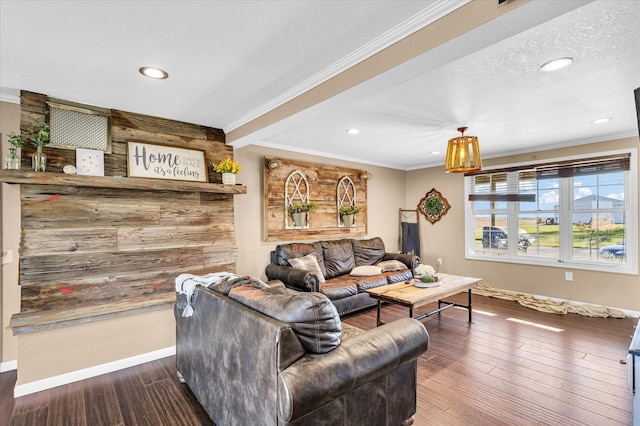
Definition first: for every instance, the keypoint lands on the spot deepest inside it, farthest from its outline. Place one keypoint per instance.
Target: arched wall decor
(296, 190)
(284, 185)
(345, 196)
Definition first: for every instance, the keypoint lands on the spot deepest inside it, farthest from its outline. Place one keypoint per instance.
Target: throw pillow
(312, 316)
(308, 263)
(391, 265)
(366, 271)
(368, 252)
(338, 257)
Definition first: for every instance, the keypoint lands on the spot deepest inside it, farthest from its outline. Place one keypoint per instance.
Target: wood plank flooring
(512, 366)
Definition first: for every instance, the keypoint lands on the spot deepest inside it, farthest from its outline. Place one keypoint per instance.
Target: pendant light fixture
(463, 154)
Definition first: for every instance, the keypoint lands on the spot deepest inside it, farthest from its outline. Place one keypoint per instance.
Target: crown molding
(435, 11)
(9, 95)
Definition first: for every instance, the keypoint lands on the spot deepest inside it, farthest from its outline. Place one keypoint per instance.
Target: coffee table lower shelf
(441, 308)
(412, 297)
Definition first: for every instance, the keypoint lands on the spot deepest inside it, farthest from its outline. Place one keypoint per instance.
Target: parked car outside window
(495, 237)
(616, 251)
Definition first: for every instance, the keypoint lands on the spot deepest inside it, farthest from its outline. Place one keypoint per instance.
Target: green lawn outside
(547, 235)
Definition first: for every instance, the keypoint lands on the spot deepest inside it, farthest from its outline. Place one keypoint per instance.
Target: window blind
(495, 187)
(614, 164)
(605, 164)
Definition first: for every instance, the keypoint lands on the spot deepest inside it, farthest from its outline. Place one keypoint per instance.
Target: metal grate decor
(71, 128)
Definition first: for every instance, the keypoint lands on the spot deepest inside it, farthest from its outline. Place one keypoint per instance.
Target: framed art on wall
(165, 162)
(89, 162)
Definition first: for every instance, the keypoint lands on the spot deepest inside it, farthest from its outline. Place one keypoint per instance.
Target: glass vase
(39, 161)
(12, 161)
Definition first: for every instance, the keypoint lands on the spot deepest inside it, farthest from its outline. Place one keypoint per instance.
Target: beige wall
(10, 236)
(74, 348)
(385, 196)
(445, 239)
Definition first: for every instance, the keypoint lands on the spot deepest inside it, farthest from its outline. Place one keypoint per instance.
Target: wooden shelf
(45, 178)
(31, 322)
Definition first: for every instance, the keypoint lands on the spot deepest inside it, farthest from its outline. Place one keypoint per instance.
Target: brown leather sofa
(337, 260)
(253, 354)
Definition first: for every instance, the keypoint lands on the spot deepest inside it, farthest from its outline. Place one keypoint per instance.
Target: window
(574, 213)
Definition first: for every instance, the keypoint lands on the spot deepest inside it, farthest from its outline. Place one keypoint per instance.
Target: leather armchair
(246, 367)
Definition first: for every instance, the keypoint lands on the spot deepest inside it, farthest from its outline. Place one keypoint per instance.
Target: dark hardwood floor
(512, 366)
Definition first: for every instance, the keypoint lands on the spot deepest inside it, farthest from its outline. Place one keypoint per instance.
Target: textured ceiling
(500, 94)
(231, 61)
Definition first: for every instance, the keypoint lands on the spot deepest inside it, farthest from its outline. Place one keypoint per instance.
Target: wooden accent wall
(323, 180)
(126, 126)
(92, 247)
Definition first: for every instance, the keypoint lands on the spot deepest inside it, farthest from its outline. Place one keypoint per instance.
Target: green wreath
(433, 205)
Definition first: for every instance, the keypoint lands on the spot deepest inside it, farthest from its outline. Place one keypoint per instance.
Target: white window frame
(631, 228)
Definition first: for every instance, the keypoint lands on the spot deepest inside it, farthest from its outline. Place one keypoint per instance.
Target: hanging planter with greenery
(299, 212)
(347, 214)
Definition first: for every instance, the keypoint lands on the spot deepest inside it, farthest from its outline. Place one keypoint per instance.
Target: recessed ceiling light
(601, 120)
(556, 64)
(434, 152)
(353, 131)
(153, 72)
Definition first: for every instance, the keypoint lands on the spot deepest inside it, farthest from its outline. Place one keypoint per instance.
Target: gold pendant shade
(463, 154)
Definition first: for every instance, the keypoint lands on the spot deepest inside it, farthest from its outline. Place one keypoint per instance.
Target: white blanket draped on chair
(186, 284)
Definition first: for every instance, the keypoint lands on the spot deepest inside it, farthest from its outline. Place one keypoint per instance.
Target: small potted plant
(39, 138)
(229, 170)
(299, 212)
(426, 273)
(12, 161)
(347, 212)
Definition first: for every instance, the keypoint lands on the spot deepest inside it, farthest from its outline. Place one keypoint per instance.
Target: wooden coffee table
(412, 297)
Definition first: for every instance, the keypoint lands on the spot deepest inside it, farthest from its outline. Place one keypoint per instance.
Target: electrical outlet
(568, 276)
(7, 256)
(439, 261)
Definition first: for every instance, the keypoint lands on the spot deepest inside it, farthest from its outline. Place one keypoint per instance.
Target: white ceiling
(232, 61)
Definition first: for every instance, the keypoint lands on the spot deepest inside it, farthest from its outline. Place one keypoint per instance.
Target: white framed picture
(149, 160)
(89, 162)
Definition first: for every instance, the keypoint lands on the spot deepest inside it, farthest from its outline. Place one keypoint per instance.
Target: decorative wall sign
(433, 206)
(165, 162)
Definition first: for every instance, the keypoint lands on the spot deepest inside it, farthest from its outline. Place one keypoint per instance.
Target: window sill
(613, 268)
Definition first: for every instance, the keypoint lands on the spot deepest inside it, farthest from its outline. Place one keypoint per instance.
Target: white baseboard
(74, 376)
(627, 312)
(8, 366)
